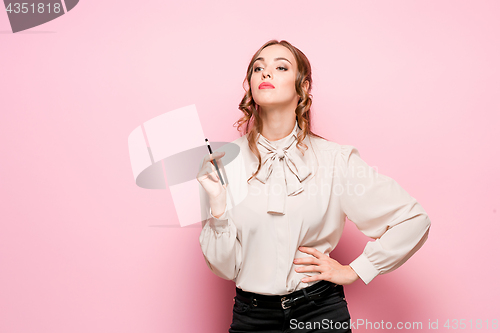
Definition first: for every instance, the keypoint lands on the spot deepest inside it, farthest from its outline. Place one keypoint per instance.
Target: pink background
(414, 85)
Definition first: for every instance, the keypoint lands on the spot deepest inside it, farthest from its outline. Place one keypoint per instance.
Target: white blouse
(298, 200)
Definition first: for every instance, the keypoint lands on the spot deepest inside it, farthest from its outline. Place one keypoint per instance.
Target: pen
(216, 166)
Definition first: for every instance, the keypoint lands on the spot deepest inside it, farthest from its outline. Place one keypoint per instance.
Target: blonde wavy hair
(251, 120)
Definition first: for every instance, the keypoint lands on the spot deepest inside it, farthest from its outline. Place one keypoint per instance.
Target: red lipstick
(266, 85)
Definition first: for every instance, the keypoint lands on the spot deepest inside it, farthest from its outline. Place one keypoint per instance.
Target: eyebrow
(275, 59)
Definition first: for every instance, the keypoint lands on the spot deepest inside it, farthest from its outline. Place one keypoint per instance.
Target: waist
(321, 285)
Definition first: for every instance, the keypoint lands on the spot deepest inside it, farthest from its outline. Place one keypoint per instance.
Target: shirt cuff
(364, 268)
(220, 224)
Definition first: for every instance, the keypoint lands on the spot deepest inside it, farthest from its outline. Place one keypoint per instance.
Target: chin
(268, 103)
(263, 102)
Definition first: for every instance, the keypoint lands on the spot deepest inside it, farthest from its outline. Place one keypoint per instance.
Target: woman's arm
(220, 246)
(382, 210)
(218, 238)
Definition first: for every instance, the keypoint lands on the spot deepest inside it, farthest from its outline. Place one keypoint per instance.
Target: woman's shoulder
(324, 144)
(332, 147)
(241, 140)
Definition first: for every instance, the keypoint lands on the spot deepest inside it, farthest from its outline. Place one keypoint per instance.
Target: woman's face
(273, 78)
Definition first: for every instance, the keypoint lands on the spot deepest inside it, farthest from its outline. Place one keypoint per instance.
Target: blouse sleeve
(219, 243)
(382, 210)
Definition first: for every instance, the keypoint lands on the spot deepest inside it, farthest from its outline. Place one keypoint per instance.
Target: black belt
(316, 291)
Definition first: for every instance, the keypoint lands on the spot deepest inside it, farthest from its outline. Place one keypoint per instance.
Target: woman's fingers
(311, 250)
(208, 159)
(314, 268)
(208, 176)
(214, 156)
(306, 260)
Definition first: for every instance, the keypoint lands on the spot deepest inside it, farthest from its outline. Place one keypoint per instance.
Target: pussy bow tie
(284, 169)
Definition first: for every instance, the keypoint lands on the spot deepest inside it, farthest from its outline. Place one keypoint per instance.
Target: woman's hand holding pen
(330, 269)
(210, 181)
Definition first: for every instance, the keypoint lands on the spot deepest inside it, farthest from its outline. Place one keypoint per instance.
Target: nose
(265, 74)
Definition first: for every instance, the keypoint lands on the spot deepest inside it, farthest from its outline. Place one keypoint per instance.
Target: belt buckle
(283, 300)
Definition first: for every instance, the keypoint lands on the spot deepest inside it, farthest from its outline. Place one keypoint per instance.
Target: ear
(305, 85)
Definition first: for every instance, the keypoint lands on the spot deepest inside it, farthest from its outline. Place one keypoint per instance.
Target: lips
(266, 85)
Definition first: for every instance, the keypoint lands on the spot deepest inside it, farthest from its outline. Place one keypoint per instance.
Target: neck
(278, 122)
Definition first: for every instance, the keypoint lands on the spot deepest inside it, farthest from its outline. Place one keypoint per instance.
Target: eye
(281, 68)
(256, 69)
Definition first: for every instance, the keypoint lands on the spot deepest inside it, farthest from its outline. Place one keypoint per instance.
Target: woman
(275, 244)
